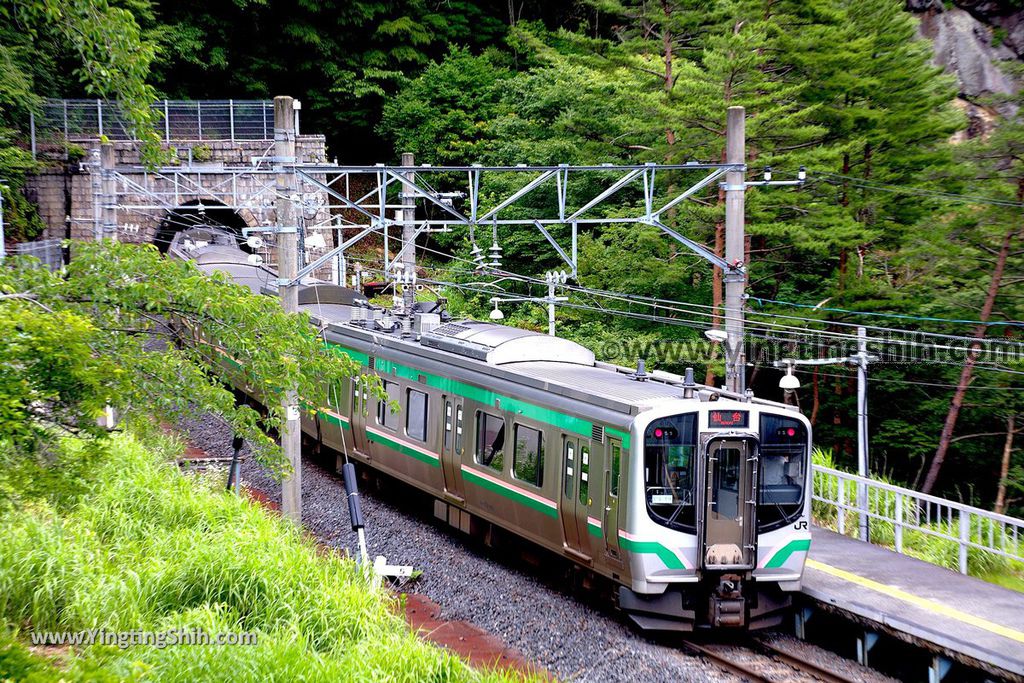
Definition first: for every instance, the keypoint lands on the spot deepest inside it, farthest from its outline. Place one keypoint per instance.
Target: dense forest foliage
(906, 222)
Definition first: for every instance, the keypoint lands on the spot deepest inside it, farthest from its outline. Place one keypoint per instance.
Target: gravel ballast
(550, 627)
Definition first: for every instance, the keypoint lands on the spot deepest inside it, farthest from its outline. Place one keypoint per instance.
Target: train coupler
(727, 607)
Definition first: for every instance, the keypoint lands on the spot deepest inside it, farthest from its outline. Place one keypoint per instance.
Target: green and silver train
(695, 502)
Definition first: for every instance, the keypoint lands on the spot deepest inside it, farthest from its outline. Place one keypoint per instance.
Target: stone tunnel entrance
(199, 213)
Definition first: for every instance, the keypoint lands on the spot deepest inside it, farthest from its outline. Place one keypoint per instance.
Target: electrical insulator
(478, 256)
(495, 251)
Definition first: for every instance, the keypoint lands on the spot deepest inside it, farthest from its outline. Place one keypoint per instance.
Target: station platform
(960, 617)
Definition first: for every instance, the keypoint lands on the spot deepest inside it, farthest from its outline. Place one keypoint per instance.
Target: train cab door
(729, 505)
(610, 522)
(451, 446)
(573, 502)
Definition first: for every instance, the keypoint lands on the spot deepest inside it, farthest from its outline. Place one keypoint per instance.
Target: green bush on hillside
(139, 546)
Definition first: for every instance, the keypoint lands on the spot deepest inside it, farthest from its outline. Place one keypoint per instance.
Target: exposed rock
(964, 46)
(1007, 15)
(968, 46)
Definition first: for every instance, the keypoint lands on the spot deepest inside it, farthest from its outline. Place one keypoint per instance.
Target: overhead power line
(900, 316)
(918, 191)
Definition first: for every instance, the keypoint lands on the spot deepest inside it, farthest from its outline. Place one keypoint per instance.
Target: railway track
(759, 661)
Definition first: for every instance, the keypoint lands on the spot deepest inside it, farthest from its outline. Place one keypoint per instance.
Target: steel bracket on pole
(735, 273)
(340, 249)
(275, 229)
(561, 252)
(429, 196)
(696, 248)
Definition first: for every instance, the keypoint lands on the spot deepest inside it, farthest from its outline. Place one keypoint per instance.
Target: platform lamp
(859, 360)
(496, 314)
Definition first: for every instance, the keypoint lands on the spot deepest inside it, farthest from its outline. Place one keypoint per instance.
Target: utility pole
(862, 428)
(108, 184)
(408, 236)
(288, 268)
(735, 276)
(3, 245)
(551, 307)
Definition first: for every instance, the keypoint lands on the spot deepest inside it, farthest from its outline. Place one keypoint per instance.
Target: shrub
(917, 543)
(144, 547)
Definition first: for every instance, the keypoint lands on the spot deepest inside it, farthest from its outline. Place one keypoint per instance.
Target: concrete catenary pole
(408, 235)
(735, 277)
(109, 189)
(288, 267)
(96, 180)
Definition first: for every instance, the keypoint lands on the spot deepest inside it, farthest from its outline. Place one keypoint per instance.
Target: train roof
(534, 359)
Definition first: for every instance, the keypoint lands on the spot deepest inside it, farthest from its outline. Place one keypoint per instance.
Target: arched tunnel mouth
(196, 214)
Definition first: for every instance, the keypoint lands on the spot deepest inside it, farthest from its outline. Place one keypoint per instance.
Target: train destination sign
(728, 418)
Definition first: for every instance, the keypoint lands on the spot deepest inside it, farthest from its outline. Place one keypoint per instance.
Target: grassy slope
(137, 546)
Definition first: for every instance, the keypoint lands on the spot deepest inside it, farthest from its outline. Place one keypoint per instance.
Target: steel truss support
(373, 207)
(369, 212)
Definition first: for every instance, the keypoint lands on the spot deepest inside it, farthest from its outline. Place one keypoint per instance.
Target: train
(693, 502)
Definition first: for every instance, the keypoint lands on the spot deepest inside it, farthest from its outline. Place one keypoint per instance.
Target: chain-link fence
(63, 121)
(48, 252)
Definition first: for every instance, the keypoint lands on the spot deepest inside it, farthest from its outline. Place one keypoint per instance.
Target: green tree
(53, 48)
(341, 58)
(77, 341)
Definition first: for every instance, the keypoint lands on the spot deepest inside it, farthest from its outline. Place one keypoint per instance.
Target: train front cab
(718, 526)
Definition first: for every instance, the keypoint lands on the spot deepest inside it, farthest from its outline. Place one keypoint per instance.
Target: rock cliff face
(973, 38)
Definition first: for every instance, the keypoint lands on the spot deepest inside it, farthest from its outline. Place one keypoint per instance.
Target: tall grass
(142, 547)
(920, 544)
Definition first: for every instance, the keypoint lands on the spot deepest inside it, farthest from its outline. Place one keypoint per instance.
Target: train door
(729, 513)
(610, 522)
(573, 501)
(360, 407)
(451, 446)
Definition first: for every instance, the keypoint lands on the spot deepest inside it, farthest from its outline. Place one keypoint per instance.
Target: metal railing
(62, 121)
(903, 518)
(49, 252)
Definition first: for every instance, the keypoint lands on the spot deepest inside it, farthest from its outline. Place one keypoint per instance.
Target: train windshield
(670, 472)
(783, 465)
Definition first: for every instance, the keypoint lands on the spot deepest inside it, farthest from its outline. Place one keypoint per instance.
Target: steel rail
(804, 666)
(766, 649)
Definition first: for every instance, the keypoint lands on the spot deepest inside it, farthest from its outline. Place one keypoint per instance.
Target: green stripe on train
(783, 553)
(334, 420)
(569, 423)
(403, 449)
(475, 478)
(594, 530)
(651, 547)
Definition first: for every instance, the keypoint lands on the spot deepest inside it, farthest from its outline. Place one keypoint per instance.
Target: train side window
(458, 430)
(528, 458)
(616, 458)
(416, 414)
(385, 417)
(570, 465)
(585, 475)
(490, 440)
(447, 425)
